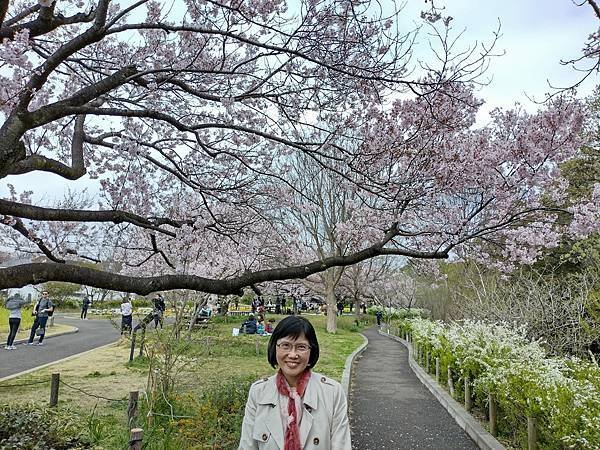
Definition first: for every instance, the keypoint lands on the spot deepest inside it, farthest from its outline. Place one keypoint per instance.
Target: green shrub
(32, 427)
(26, 319)
(217, 417)
(67, 303)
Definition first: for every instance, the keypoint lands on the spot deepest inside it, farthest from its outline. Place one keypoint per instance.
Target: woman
(295, 409)
(14, 303)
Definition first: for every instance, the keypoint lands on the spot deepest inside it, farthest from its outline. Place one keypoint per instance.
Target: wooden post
(493, 413)
(532, 433)
(468, 398)
(427, 364)
(257, 343)
(54, 389)
(135, 440)
(142, 340)
(132, 408)
(437, 369)
(450, 382)
(132, 349)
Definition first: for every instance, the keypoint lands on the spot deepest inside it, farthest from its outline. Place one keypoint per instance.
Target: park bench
(238, 313)
(241, 310)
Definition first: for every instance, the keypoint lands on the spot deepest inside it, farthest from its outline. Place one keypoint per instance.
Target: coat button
(265, 437)
(323, 379)
(308, 408)
(316, 441)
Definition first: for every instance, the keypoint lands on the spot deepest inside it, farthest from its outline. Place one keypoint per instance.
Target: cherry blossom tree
(189, 117)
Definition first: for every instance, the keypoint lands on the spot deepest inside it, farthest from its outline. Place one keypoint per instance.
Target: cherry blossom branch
(35, 273)
(31, 212)
(19, 226)
(45, 22)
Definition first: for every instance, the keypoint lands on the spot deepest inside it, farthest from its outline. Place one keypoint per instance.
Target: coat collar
(271, 397)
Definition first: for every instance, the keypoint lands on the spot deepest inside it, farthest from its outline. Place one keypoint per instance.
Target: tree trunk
(331, 309)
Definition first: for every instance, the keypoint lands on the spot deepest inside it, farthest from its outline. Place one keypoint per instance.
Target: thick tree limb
(41, 163)
(45, 22)
(73, 215)
(3, 11)
(36, 273)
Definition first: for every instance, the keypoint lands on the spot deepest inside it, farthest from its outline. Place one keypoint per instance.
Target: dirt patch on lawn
(88, 382)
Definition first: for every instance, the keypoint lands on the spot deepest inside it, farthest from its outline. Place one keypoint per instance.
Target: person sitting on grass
(249, 326)
(260, 327)
(269, 326)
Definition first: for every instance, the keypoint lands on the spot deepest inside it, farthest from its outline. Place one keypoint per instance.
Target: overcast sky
(535, 36)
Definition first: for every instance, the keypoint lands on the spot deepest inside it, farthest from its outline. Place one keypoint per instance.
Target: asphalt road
(391, 409)
(92, 334)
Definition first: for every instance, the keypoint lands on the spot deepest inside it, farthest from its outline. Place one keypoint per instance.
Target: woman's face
(292, 357)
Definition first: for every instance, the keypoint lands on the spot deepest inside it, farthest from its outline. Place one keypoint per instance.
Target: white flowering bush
(562, 393)
(397, 313)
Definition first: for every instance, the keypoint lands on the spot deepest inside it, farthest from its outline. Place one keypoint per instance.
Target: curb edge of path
(346, 375)
(50, 336)
(466, 421)
(33, 369)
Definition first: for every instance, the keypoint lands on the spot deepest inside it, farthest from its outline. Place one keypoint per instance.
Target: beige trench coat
(324, 423)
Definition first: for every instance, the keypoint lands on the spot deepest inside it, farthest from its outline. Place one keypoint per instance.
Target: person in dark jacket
(379, 315)
(249, 326)
(85, 304)
(42, 309)
(158, 310)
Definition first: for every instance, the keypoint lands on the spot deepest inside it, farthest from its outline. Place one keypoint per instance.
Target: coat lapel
(273, 415)
(310, 404)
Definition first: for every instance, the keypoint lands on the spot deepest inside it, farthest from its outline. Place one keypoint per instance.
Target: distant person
(269, 326)
(260, 327)
(85, 304)
(205, 311)
(158, 310)
(14, 303)
(41, 311)
(378, 316)
(364, 308)
(126, 316)
(249, 325)
(340, 308)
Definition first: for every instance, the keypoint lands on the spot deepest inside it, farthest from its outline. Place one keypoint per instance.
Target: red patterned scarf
(292, 434)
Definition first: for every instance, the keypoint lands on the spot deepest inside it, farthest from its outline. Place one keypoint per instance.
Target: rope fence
(33, 383)
(136, 434)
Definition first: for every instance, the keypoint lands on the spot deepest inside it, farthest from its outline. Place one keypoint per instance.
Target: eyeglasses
(299, 348)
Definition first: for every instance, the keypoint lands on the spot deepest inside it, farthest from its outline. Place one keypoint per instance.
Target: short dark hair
(294, 326)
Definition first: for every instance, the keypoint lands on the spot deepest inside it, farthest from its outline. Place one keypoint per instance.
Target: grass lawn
(211, 372)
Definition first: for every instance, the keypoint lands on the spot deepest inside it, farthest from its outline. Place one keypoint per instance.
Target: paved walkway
(92, 334)
(389, 407)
